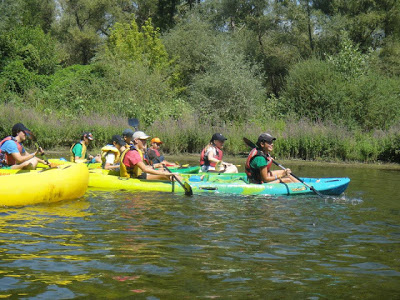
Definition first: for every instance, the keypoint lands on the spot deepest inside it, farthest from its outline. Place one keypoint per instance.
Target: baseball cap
(156, 140)
(127, 132)
(88, 135)
(140, 135)
(20, 127)
(265, 137)
(118, 139)
(218, 137)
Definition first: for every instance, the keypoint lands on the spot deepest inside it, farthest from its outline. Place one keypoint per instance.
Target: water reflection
(164, 246)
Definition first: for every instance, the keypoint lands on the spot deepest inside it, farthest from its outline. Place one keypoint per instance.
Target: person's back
(110, 154)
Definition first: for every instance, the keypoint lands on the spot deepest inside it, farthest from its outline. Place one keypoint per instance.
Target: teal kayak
(219, 184)
(236, 185)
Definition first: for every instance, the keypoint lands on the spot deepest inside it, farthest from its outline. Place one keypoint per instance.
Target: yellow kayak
(55, 162)
(49, 185)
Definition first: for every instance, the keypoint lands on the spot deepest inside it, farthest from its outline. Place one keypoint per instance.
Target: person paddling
(79, 150)
(211, 156)
(13, 154)
(154, 155)
(132, 164)
(110, 153)
(259, 163)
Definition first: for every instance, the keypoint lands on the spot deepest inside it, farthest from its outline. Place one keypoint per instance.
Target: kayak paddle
(252, 145)
(186, 186)
(33, 137)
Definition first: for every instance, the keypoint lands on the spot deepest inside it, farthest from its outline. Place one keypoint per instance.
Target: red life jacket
(254, 174)
(6, 157)
(154, 156)
(204, 158)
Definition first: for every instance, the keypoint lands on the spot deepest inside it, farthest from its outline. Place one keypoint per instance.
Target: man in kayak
(259, 163)
(132, 164)
(79, 150)
(154, 155)
(110, 153)
(13, 154)
(211, 156)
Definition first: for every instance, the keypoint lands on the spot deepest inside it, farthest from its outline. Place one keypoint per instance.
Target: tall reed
(295, 139)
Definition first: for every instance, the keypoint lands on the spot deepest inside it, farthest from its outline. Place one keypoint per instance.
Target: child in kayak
(154, 155)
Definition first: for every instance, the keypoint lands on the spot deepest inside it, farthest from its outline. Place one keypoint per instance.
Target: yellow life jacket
(107, 149)
(83, 154)
(129, 172)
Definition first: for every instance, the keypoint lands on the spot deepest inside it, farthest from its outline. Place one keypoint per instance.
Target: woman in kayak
(259, 163)
(79, 150)
(132, 164)
(110, 153)
(211, 156)
(13, 154)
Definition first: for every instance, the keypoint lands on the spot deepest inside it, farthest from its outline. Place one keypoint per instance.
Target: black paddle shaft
(187, 188)
(252, 145)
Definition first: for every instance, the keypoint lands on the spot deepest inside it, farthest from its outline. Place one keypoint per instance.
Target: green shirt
(77, 150)
(258, 163)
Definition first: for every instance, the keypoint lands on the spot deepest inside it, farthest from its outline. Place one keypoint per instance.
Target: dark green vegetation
(323, 76)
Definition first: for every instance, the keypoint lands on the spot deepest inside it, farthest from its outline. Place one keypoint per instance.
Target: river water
(124, 245)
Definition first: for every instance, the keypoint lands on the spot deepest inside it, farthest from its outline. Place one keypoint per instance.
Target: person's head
(87, 137)
(127, 135)
(118, 141)
(155, 143)
(19, 130)
(266, 141)
(218, 140)
(140, 139)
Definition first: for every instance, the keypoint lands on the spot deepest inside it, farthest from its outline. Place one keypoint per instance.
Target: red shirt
(131, 159)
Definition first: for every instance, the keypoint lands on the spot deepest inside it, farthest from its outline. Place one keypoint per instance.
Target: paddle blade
(134, 123)
(188, 189)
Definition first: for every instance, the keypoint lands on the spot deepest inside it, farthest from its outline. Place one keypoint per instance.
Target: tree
(190, 43)
(27, 13)
(84, 25)
(126, 42)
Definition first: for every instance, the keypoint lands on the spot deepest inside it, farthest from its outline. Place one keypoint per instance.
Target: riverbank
(240, 160)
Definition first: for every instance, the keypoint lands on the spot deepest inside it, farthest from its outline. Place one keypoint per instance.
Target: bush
(229, 90)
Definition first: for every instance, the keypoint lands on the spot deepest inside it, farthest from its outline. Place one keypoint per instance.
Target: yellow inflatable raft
(46, 186)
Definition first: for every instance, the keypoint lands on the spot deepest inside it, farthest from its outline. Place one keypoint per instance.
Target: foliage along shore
(322, 76)
(295, 139)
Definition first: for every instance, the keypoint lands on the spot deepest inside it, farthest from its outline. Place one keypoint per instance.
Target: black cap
(88, 135)
(218, 137)
(20, 127)
(128, 133)
(118, 139)
(265, 137)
